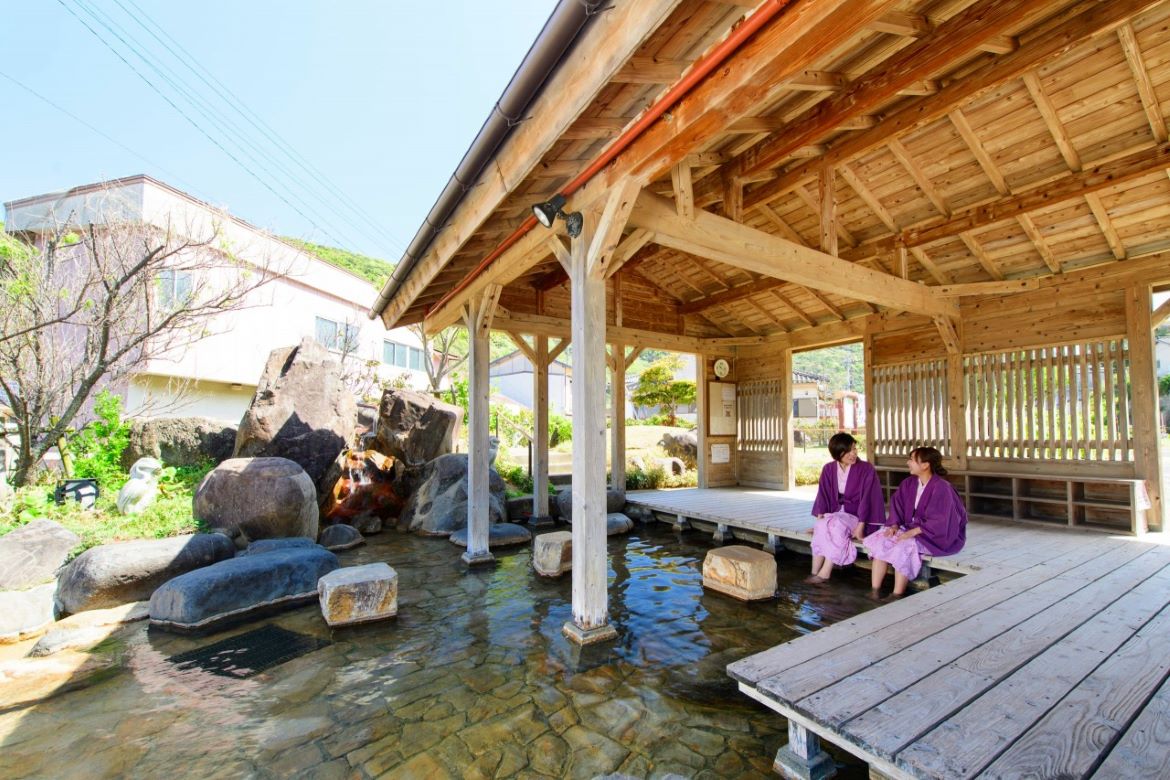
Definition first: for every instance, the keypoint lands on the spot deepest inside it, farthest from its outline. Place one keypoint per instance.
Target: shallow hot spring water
(472, 679)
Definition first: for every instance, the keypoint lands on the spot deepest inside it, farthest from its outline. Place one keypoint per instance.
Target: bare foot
(875, 594)
(894, 597)
(815, 579)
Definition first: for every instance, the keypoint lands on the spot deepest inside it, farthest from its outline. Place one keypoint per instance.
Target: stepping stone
(341, 537)
(618, 523)
(358, 594)
(499, 535)
(552, 553)
(741, 572)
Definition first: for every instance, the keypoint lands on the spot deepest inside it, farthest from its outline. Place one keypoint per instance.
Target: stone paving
(471, 679)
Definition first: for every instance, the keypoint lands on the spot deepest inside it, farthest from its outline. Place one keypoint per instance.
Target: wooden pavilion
(976, 190)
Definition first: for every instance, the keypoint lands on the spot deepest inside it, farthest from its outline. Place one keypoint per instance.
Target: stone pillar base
(484, 558)
(789, 764)
(541, 521)
(588, 636)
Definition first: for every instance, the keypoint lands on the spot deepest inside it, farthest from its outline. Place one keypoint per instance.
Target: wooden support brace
(684, 193)
(948, 333)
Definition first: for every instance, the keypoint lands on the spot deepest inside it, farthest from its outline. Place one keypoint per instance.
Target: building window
(402, 356)
(174, 289)
(339, 336)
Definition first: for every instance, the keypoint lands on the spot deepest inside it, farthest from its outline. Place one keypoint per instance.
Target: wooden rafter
(1145, 86)
(731, 295)
(684, 194)
(799, 312)
(1161, 313)
(823, 301)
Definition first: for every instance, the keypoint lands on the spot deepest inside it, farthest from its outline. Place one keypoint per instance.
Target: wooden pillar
(828, 212)
(540, 514)
(1144, 385)
(802, 757)
(477, 315)
(617, 431)
(787, 428)
(957, 408)
(870, 424)
(701, 417)
(590, 621)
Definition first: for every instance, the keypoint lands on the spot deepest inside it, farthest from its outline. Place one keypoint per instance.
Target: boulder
(617, 523)
(141, 489)
(86, 629)
(519, 509)
(240, 589)
(358, 594)
(673, 466)
(26, 613)
(415, 428)
(439, 506)
(302, 410)
(360, 487)
(741, 572)
(683, 445)
(33, 553)
(615, 500)
(340, 537)
(552, 553)
(270, 545)
(121, 572)
(179, 441)
(499, 535)
(260, 498)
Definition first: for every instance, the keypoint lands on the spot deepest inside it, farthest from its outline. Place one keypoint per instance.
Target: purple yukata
(938, 511)
(843, 507)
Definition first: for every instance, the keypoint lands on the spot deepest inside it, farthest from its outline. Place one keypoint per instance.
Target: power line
(233, 101)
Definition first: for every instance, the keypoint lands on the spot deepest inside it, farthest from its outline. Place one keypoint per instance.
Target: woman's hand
(910, 534)
(890, 530)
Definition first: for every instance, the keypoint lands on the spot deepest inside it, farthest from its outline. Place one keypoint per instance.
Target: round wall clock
(722, 367)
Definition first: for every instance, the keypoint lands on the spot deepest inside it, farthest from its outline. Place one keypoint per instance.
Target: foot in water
(815, 579)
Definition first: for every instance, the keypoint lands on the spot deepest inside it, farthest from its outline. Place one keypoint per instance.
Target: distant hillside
(843, 366)
(373, 269)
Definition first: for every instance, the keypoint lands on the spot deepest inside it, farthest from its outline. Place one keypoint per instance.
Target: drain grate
(249, 653)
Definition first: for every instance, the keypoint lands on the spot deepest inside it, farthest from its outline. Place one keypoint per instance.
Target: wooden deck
(1047, 660)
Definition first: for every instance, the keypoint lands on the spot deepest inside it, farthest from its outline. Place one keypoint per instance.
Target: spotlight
(547, 213)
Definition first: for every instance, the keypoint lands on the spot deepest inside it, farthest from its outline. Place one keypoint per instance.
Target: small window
(337, 336)
(416, 359)
(174, 289)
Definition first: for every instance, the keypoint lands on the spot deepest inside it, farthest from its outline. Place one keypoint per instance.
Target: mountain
(373, 269)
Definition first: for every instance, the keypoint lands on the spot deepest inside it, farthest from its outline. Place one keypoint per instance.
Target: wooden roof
(994, 140)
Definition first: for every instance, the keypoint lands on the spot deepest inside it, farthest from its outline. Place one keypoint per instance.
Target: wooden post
(802, 757)
(701, 416)
(828, 213)
(477, 315)
(590, 621)
(1144, 408)
(540, 514)
(617, 455)
(787, 428)
(867, 367)
(957, 407)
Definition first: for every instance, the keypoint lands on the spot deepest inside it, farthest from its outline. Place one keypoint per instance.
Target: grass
(169, 515)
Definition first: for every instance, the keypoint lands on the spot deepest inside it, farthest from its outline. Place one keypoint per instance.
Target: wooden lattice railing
(761, 427)
(910, 407)
(1067, 403)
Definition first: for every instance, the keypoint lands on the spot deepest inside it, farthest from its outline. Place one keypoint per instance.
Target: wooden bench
(1110, 504)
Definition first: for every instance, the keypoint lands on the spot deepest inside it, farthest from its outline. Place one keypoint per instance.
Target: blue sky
(382, 98)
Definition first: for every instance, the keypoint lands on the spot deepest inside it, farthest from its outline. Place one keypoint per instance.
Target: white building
(511, 377)
(1162, 355)
(216, 376)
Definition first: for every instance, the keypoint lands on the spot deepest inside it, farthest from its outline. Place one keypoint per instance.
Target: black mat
(249, 653)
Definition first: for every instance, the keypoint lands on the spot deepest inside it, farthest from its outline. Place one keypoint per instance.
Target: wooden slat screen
(910, 407)
(1068, 402)
(760, 417)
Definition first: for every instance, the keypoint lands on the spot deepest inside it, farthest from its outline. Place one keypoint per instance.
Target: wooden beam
(731, 295)
(1052, 121)
(732, 199)
(1007, 287)
(1106, 225)
(555, 352)
(1161, 313)
(558, 327)
(948, 334)
(989, 265)
(931, 267)
(823, 301)
(1038, 242)
(608, 232)
(754, 250)
(814, 205)
(627, 249)
(902, 154)
(785, 229)
(684, 193)
(863, 192)
(828, 214)
(559, 251)
(1145, 85)
(967, 133)
(523, 346)
(784, 299)
(553, 279)
(1084, 20)
(612, 38)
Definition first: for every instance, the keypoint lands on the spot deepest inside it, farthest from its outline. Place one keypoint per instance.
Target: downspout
(563, 27)
(699, 71)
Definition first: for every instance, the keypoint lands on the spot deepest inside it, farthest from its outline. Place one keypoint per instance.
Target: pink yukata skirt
(905, 556)
(833, 538)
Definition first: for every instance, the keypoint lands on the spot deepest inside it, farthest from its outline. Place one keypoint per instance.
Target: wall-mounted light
(546, 213)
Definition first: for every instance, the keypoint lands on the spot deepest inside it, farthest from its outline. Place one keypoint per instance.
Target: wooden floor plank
(1144, 748)
(1071, 738)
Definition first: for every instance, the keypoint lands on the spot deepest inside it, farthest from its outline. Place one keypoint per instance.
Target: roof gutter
(562, 29)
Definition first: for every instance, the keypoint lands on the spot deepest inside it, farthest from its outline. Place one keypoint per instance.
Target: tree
(443, 354)
(658, 387)
(85, 314)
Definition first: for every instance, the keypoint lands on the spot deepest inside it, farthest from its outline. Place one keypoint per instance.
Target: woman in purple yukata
(848, 505)
(927, 517)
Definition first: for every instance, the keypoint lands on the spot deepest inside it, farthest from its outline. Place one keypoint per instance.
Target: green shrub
(808, 474)
(96, 450)
(560, 429)
(651, 478)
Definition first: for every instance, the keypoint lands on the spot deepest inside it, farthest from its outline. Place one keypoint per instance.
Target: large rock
(519, 509)
(499, 535)
(683, 445)
(179, 441)
(26, 613)
(302, 410)
(439, 506)
(552, 553)
(415, 428)
(617, 523)
(258, 498)
(240, 589)
(340, 537)
(86, 629)
(358, 594)
(121, 572)
(33, 553)
(741, 572)
(359, 488)
(614, 501)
